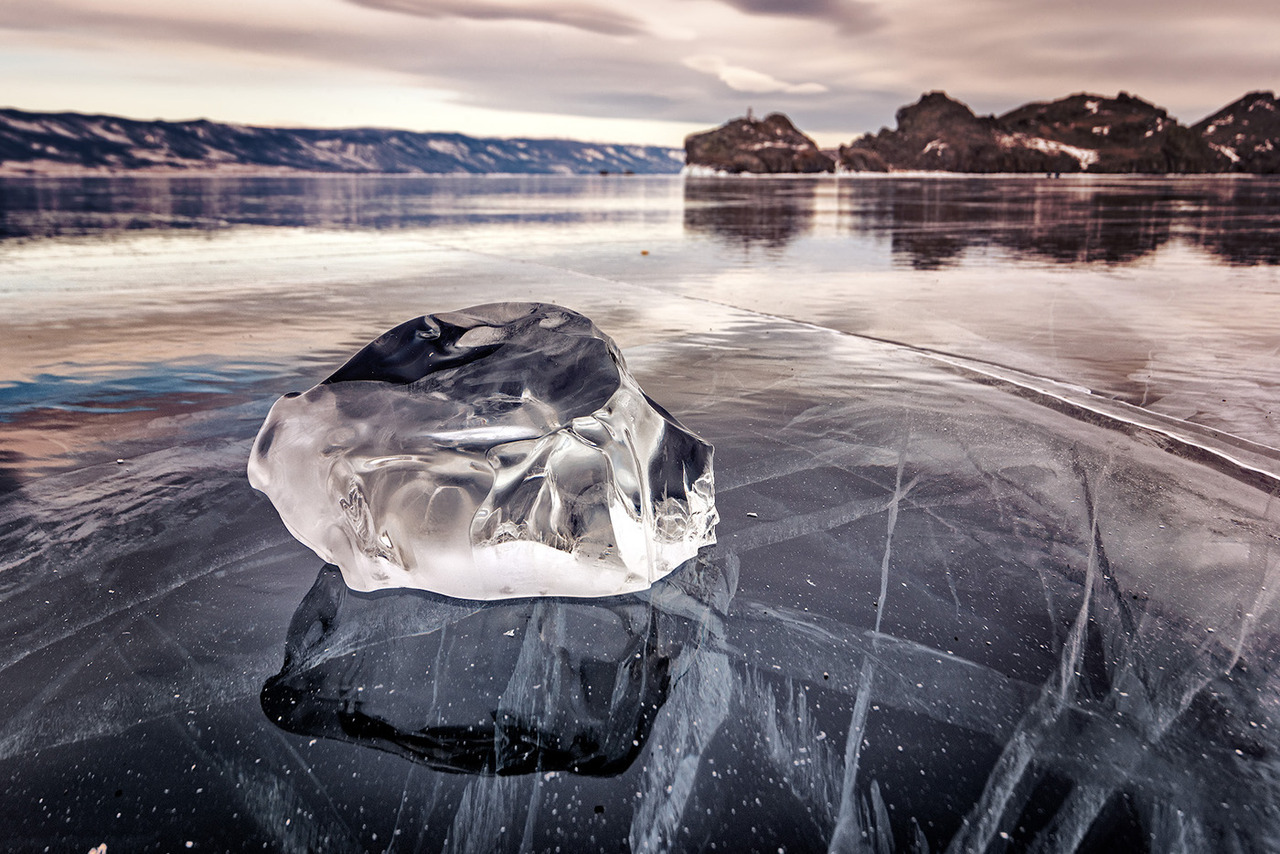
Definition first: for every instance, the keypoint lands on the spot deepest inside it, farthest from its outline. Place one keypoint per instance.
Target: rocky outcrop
(1075, 134)
(942, 134)
(62, 142)
(1125, 134)
(769, 146)
(1246, 132)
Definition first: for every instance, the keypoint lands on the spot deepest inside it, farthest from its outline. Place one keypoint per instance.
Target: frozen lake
(996, 467)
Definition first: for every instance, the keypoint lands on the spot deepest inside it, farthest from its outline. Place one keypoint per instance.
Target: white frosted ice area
(495, 452)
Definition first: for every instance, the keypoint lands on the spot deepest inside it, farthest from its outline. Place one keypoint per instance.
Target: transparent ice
(499, 451)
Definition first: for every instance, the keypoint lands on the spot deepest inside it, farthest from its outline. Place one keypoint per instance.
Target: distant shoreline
(1078, 133)
(75, 144)
(909, 173)
(7, 172)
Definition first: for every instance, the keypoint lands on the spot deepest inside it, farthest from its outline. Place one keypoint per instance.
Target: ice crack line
(898, 494)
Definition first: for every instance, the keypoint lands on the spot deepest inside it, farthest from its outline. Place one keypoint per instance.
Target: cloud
(848, 15)
(746, 80)
(1184, 55)
(591, 18)
(842, 66)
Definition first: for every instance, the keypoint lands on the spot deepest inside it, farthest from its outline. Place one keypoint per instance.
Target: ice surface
(1078, 633)
(499, 451)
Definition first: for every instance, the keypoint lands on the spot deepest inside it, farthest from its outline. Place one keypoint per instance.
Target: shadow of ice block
(495, 452)
(480, 688)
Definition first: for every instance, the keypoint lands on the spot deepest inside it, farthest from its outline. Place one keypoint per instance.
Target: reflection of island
(933, 226)
(507, 687)
(749, 213)
(931, 223)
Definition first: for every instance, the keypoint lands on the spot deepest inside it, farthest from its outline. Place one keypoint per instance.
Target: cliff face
(1074, 134)
(49, 142)
(938, 133)
(1126, 134)
(1246, 132)
(770, 146)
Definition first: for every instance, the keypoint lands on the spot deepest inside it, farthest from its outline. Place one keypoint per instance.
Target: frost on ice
(499, 451)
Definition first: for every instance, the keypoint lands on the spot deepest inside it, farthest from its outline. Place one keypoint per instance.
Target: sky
(646, 71)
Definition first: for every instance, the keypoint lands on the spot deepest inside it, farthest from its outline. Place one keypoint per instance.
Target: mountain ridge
(1083, 132)
(68, 142)
(1246, 132)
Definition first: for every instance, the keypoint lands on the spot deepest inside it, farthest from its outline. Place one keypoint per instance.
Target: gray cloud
(742, 79)
(1184, 55)
(651, 63)
(591, 18)
(847, 15)
(506, 71)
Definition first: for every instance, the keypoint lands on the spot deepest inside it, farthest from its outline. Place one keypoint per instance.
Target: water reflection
(508, 687)
(749, 212)
(932, 222)
(104, 206)
(932, 226)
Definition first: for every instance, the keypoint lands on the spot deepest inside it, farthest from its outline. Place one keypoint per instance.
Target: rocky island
(769, 145)
(1078, 133)
(1246, 132)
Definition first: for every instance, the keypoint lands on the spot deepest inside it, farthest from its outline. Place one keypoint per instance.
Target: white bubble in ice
(494, 452)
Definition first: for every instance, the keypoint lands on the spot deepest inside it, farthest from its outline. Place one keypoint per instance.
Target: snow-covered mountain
(66, 142)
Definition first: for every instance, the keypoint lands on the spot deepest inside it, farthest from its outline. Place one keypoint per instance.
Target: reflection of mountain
(932, 226)
(50, 207)
(1242, 226)
(502, 688)
(1104, 222)
(931, 223)
(746, 213)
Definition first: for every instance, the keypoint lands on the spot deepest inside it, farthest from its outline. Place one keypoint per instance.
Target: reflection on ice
(505, 688)
(933, 222)
(495, 452)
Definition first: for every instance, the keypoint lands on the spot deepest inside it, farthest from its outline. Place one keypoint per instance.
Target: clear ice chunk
(494, 452)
